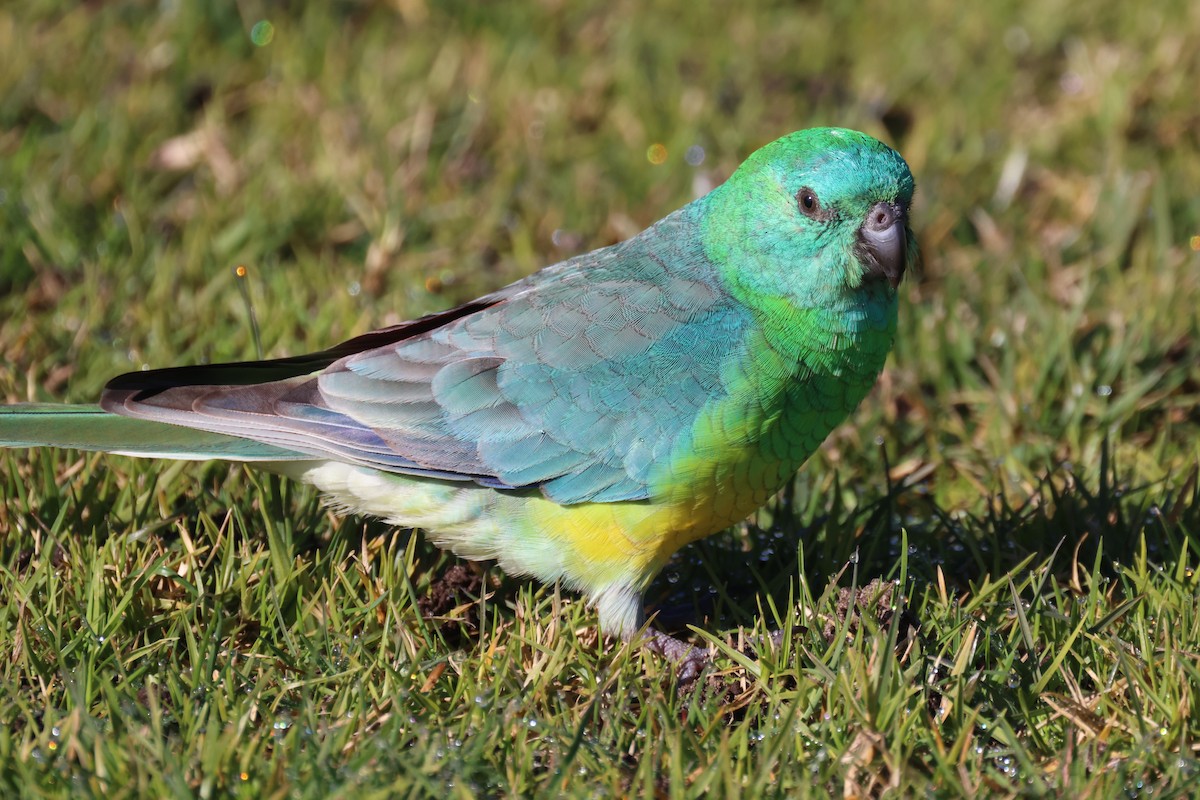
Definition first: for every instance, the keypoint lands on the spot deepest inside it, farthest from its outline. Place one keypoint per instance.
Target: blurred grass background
(1026, 468)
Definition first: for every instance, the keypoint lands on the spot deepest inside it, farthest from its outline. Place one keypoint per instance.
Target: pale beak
(883, 245)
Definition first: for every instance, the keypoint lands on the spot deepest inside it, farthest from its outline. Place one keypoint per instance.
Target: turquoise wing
(576, 380)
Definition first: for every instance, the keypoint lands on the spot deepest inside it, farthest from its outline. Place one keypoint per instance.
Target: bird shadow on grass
(730, 579)
(992, 596)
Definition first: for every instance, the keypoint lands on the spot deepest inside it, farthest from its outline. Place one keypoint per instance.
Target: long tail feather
(91, 428)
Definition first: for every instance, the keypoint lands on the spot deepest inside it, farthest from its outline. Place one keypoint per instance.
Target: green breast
(783, 392)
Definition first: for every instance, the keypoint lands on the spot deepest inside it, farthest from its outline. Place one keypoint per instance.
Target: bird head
(816, 216)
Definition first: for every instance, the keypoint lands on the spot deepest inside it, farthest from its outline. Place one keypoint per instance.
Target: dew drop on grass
(984, 724)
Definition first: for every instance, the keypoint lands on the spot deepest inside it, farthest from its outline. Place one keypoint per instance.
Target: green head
(818, 218)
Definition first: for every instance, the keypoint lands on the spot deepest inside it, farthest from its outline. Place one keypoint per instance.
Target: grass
(1026, 471)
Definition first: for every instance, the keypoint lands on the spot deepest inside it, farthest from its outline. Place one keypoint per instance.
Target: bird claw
(689, 661)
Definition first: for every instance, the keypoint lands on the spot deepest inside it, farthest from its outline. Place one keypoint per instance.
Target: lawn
(1021, 485)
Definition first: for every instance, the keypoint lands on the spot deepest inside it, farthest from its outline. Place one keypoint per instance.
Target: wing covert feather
(575, 380)
(570, 384)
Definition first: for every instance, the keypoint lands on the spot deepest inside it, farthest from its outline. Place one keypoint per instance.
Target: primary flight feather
(583, 423)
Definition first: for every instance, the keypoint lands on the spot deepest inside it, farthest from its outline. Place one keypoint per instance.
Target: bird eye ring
(808, 203)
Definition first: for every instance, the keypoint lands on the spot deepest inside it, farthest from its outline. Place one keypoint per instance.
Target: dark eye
(807, 200)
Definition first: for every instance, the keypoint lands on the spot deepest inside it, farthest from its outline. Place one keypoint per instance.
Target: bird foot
(689, 661)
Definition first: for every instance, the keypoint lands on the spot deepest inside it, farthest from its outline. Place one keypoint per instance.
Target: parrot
(584, 423)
